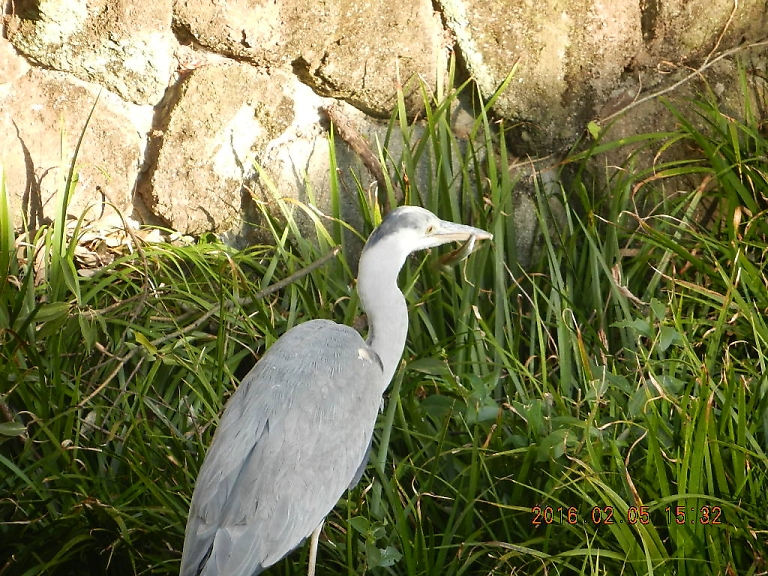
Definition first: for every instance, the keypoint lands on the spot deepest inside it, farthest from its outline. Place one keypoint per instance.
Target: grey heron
(297, 432)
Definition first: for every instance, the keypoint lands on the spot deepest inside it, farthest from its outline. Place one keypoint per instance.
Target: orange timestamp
(545, 515)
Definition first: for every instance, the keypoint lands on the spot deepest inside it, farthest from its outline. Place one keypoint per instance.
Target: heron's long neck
(386, 308)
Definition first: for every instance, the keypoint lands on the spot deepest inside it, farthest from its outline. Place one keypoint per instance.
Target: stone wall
(193, 93)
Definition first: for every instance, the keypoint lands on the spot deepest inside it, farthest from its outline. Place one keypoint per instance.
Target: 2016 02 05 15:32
(545, 515)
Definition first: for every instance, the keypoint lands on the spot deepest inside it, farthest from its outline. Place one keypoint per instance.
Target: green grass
(558, 419)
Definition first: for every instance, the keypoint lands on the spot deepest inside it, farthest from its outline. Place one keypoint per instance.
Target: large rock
(645, 162)
(569, 56)
(356, 51)
(573, 55)
(37, 108)
(295, 165)
(125, 46)
(678, 31)
(203, 148)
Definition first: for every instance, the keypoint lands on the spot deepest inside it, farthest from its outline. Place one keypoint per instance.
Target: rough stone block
(125, 46)
(37, 108)
(202, 153)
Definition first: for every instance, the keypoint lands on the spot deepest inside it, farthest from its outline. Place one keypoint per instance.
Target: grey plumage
(296, 433)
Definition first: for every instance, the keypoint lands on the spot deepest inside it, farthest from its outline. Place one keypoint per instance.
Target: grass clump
(605, 411)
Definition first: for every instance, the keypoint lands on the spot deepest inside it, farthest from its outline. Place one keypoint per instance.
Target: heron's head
(410, 228)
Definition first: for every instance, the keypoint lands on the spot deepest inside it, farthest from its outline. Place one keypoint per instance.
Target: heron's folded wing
(290, 442)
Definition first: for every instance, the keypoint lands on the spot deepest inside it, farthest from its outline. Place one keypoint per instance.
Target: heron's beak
(452, 232)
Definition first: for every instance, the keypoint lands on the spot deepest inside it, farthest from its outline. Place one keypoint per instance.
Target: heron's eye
(430, 229)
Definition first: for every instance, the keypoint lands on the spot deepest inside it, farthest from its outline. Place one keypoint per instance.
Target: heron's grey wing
(361, 467)
(290, 442)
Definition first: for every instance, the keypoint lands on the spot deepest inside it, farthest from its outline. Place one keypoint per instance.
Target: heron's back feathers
(260, 492)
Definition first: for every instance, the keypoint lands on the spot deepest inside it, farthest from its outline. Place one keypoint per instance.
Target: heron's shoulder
(316, 331)
(326, 340)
